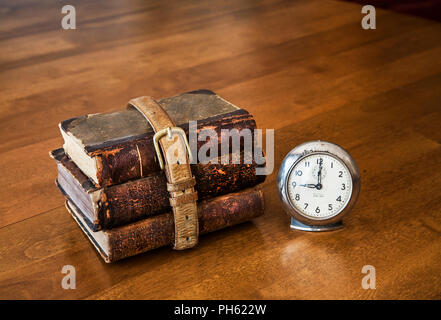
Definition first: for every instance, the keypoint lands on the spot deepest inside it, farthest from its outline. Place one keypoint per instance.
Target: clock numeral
(343, 187)
(297, 197)
(298, 173)
(307, 164)
(330, 207)
(319, 160)
(340, 174)
(306, 206)
(293, 184)
(317, 210)
(339, 198)
(332, 165)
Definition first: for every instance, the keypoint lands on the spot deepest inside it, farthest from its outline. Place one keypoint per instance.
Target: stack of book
(108, 172)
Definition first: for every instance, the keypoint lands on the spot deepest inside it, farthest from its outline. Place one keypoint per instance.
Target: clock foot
(297, 225)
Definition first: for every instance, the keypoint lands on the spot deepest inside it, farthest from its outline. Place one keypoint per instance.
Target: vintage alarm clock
(318, 184)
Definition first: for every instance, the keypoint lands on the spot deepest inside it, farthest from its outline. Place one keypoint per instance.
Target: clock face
(319, 186)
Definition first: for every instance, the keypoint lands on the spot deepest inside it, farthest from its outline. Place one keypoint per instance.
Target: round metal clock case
(318, 184)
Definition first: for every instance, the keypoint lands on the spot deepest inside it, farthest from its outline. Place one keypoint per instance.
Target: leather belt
(176, 163)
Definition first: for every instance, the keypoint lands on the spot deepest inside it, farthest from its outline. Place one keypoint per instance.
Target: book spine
(158, 231)
(128, 202)
(138, 199)
(134, 158)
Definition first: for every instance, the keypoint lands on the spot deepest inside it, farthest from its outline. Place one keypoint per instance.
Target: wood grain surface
(305, 68)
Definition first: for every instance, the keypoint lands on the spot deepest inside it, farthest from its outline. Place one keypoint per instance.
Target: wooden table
(305, 68)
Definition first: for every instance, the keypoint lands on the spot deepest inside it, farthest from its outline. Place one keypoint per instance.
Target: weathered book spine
(134, 200)
(128, 202)
(158, 231)
(135, 157)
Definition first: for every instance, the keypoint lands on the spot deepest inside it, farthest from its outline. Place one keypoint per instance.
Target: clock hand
(319, 176)
(308, 185)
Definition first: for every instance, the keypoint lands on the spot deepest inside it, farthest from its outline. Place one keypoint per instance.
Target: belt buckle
(168, 131)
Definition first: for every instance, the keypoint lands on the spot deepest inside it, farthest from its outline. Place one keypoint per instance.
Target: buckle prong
(169, 133)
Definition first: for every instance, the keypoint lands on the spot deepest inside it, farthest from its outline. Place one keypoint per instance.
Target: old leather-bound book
(158, 230)
(108, 207)
(112, 148)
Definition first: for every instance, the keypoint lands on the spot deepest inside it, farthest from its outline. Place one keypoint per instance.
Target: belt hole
(187, 217)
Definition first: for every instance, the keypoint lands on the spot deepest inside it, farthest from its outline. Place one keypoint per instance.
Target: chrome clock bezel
(299, 153)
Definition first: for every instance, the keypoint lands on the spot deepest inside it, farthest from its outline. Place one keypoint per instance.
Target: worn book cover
(112, 148)
(158, 230)
(116, 205)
